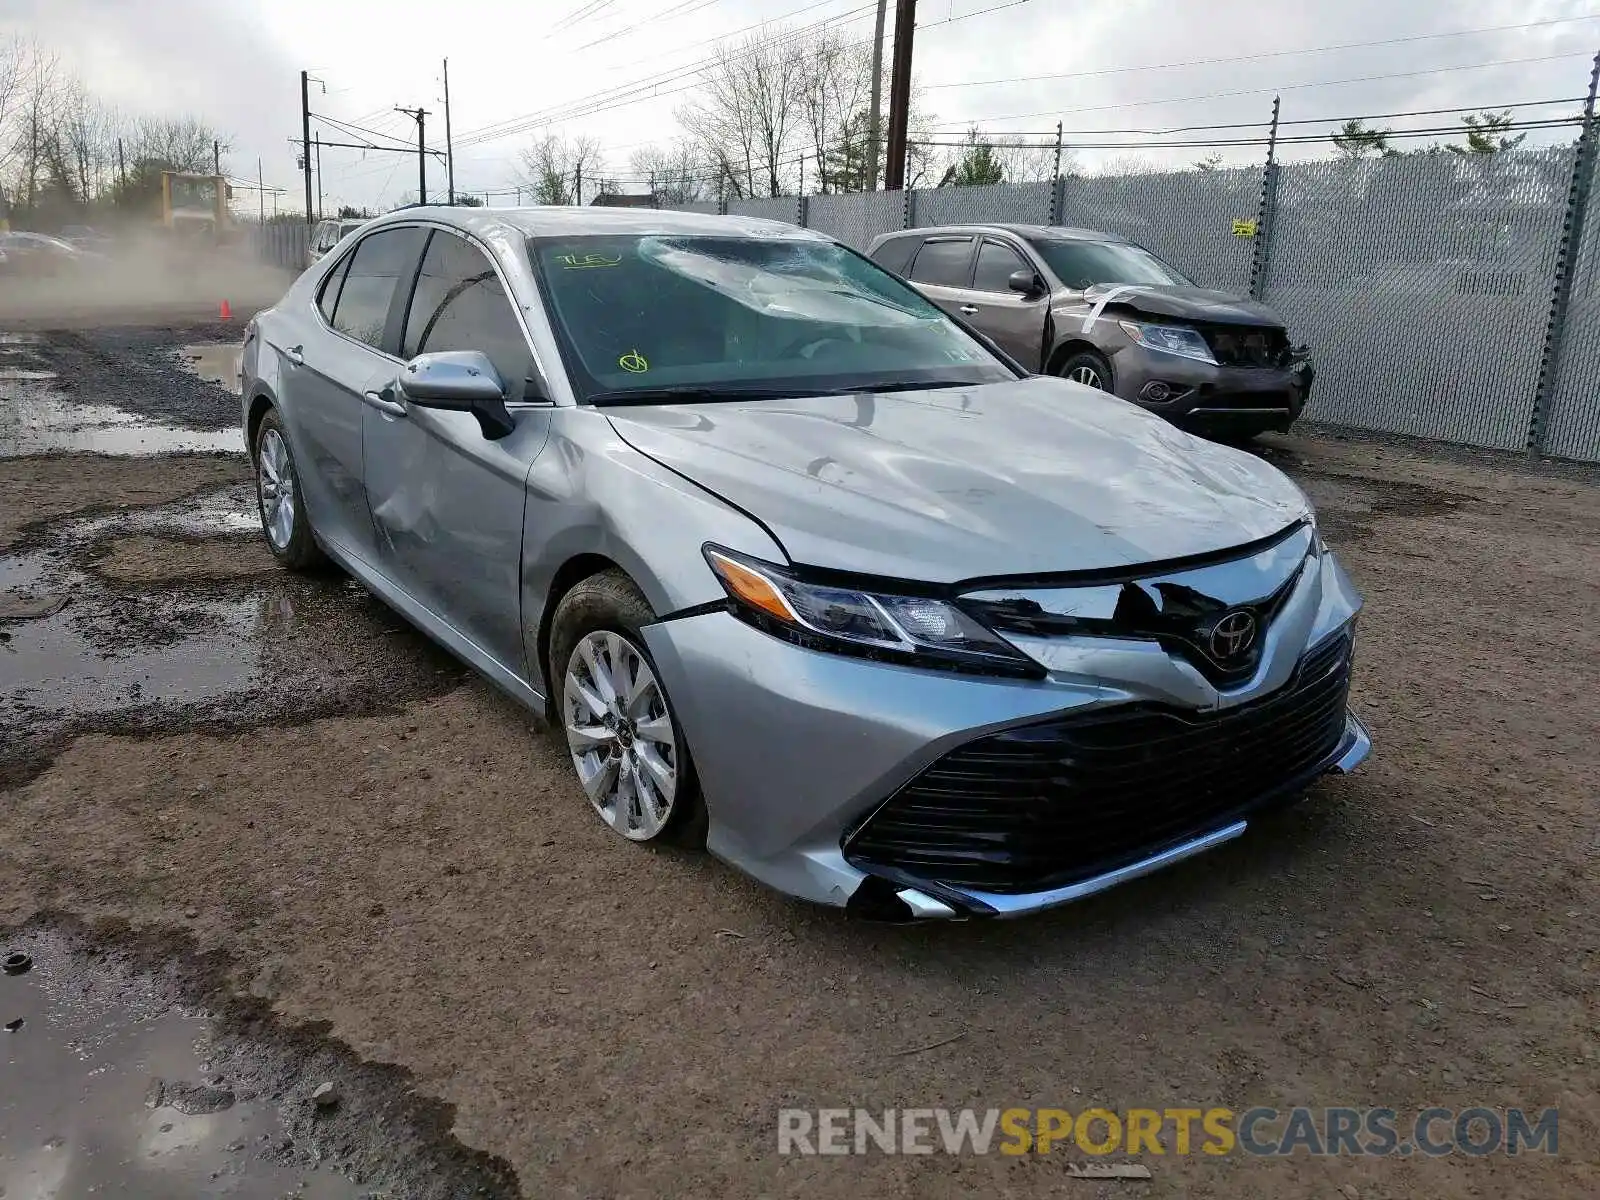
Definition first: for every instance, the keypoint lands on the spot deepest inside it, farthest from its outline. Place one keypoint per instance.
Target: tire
(595, 632)
(1087, 362)
(284, 521)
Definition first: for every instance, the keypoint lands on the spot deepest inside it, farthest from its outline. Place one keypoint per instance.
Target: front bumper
(795, 748)
(1199, 394)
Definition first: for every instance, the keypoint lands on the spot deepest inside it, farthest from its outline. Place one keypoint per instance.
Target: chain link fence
(1572, 424)
(1185, 216)
(1423, 284)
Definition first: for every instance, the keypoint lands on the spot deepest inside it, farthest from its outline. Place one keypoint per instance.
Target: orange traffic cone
(227, 312)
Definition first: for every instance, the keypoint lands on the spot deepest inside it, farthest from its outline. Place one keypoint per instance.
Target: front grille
(1247, 345)
(1046, 805)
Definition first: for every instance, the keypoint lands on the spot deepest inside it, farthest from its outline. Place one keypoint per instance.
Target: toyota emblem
(1233, 635)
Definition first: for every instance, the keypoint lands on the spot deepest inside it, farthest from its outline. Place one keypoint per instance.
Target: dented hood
(1029, 477)
(1184, 303)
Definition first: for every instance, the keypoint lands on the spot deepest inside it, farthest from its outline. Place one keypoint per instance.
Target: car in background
(798, 568)
(1107, 313)
(86, 237)
(327, 234)
(38, 255)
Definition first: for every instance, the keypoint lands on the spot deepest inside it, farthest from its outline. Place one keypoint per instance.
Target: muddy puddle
(178, 617)
(117, 1081)
(38, 415)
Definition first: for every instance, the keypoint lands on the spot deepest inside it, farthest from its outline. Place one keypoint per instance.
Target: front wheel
(283, 512)
(1088, 368)
(626, 745)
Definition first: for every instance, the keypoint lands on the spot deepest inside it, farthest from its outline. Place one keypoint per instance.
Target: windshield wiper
(694, 394)
(691, 393)
(901, 385)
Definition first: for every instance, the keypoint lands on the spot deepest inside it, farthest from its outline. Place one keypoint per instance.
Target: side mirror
(1025, 282)
(459, 381)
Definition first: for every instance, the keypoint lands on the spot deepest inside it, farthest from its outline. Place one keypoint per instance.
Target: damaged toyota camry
(802, 569)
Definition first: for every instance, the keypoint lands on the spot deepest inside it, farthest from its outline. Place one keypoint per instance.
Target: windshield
(1081, 265)
(638, 313)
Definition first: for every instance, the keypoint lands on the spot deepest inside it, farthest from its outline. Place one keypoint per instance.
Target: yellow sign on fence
(1243, 228)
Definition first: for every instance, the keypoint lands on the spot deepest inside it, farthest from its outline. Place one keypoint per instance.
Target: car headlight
(1172, 339)
(916, 630)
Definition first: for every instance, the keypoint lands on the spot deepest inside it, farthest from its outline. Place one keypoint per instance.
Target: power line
(1238, 58)
(1419, 112)
(1264, 91)
(514, 125)
(1300, 139)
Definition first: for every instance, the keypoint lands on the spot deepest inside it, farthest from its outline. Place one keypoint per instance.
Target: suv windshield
(1081, 265)
(705, 315)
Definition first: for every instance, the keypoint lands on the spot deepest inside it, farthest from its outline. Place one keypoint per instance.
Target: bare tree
(749, 117)
(835, 95)
(178, 143)
(677, 173)
(553, 167)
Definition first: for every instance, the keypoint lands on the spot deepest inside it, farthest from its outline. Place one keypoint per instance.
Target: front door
(1014, 321)
(447, 503)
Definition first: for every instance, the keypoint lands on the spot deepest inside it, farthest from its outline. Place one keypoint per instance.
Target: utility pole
(1056, 174)
(122, 167)
(875, 117)
(449, 145)
(261, 194)
(905, 24)
(420, 116)
(577, 185)
(305, 137)
(216, 157)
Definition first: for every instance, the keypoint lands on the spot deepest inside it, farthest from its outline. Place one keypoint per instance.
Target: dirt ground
(369, 837)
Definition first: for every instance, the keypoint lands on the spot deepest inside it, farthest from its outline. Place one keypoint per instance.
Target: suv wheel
(1088, 368)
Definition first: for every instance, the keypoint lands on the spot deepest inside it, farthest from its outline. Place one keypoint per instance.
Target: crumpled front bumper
(795, 747)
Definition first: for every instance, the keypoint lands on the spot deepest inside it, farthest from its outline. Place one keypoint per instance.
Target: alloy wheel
(276, 485)
(1088, 376)
(620, 734)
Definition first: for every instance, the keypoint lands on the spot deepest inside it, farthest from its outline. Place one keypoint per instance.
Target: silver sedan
(805, 570)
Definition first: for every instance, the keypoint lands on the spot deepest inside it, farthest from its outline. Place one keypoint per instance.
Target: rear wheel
(283, 514)
(626, 745)
(1088, 368)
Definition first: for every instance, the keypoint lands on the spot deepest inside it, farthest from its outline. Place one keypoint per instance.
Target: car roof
(1032, 233)
(574, 221)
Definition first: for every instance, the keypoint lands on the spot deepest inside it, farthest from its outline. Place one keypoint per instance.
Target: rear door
(352, 342)
(1013, 320)
(942, 270)
(447, 502)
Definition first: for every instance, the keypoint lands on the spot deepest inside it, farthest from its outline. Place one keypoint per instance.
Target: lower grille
(1048, 805)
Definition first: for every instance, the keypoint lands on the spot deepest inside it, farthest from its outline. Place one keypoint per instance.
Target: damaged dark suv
(1107, 313)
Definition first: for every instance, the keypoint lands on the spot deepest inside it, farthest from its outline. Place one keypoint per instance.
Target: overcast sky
(237, 63)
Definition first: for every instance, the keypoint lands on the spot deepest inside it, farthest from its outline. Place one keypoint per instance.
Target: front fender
(590, 495)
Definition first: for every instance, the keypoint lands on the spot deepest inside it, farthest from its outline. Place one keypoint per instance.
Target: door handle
(968, 310)
(385, 403)
(296, 355)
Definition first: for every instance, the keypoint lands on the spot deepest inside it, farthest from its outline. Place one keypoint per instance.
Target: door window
(944, 263)
(460, 304)
(996, 265)
(378, 264)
